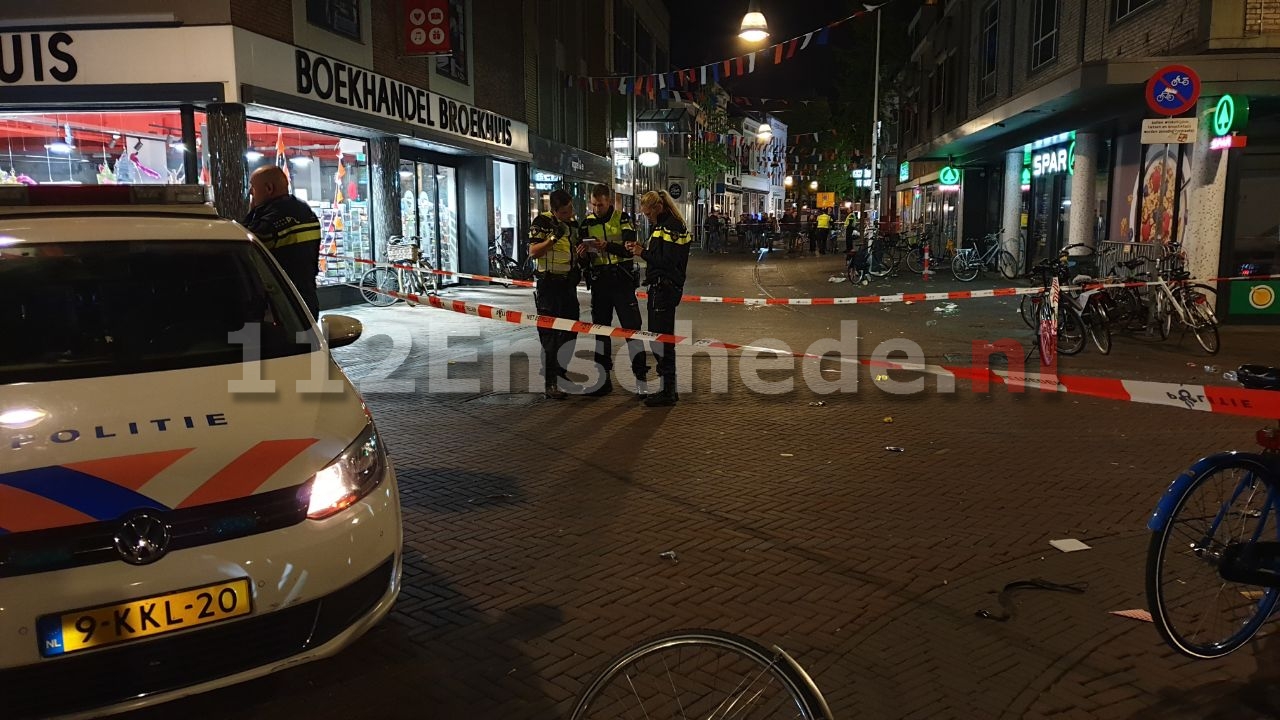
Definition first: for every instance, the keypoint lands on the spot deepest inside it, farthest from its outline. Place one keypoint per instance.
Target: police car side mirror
(340, 330)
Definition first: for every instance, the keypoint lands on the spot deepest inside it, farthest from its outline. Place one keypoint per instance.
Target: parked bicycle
(1213, 561)
(702, 674)
(969, 261)
(410, 273)
(502, 265)
(1189, 304)
(1058, 325)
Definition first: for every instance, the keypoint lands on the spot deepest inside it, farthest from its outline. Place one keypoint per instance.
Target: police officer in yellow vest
(553, 240)
(288, 228)
(824, 231)
(611, 273)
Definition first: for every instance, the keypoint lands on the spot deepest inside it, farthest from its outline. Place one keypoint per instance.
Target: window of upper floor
(988, 49)
(1121, 9)
(454, 65)
(340, 17)
(1044, 32)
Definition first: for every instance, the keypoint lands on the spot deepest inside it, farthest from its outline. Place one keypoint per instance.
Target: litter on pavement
(669, 555)
(947, 308)
(894, 448)
(817, 403)
(1006, 596)
(888, 420)
(1069, 545)
(1142, 615)
(836, 279)
(786, 454)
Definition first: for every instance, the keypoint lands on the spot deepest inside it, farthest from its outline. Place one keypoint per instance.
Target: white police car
(191, 492)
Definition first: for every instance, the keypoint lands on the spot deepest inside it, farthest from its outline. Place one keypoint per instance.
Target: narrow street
(535, 529)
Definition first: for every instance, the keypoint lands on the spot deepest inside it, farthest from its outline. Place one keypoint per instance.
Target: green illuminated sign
(1026, 176)
(949, 176)
(1230, 115)
(904, 172)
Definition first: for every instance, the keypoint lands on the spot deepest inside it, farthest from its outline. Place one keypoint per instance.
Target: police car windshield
(91, 309)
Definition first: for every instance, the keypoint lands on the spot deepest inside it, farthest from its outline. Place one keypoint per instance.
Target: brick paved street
(534, 528)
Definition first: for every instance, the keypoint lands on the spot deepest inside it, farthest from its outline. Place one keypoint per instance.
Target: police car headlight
(351, 476)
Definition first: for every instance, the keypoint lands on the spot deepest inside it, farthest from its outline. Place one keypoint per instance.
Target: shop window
(454, 65)
(330, 174)
(340, 17)
(1044, 32)
(429, 211)
(94, 148)
(989, 52)
(506, 208)
(1124, 8)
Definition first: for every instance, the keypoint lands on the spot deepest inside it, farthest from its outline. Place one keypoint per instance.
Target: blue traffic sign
(1173, 90)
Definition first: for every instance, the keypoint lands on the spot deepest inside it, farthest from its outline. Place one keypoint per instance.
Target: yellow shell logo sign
(1261, 297)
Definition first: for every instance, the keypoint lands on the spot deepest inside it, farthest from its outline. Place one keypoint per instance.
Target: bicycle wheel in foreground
(702, 674)
(1198, 612)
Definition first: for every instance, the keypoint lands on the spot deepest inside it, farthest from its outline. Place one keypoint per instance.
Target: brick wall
(498, 58)
(386, 48)
(1261, 17)
(1086, 33)
(272, 18)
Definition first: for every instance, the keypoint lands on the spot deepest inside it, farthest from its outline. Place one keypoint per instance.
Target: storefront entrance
(429, 211)
(1050, 199)
(1251, 233)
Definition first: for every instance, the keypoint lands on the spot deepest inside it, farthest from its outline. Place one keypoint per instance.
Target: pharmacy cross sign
(1173, 90)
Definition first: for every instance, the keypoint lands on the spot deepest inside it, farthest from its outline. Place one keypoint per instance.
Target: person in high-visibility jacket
(667, 256)
(553, 240)
(288, 228)
(611, 273)
(824, 231)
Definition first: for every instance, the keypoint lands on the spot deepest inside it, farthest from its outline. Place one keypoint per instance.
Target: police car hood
(79, 451)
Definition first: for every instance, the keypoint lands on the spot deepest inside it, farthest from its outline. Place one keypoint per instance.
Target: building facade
(1039, 105)
(450, 151)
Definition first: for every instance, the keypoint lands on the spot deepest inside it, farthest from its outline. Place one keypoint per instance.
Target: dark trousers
(663, 299)
(556, 296)
(613, 291)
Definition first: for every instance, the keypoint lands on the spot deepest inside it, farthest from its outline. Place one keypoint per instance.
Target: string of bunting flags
(678, 84)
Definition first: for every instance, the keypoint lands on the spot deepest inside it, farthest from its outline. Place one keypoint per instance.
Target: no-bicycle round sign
(1173, 90)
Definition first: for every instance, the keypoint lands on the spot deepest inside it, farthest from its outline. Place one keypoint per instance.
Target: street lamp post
(875, 121)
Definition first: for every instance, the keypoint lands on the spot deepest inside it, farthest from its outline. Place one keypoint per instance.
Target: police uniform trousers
(613, 291)
(664, 297)
(556, 296)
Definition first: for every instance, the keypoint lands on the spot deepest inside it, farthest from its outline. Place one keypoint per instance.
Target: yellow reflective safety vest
(824, 221)
(615, 231)
(558, 260)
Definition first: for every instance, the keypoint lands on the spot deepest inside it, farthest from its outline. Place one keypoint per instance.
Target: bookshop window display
(93, 148)
(429, 211)
(329, 173)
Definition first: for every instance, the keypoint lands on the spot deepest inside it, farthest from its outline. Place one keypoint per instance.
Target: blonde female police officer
(667, 258)
(553, 240)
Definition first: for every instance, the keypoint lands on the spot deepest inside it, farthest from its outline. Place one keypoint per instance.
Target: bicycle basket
(402, 253)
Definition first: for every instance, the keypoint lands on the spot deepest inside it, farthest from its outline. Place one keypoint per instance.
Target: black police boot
(603, 390)
(666, 397)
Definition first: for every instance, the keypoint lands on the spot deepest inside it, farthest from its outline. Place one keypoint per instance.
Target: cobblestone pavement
(534, 528)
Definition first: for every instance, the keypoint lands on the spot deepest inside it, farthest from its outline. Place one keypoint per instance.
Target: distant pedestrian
(824, 231)
(712, 226)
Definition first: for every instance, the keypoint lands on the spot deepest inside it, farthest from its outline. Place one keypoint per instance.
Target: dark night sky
(706, 30)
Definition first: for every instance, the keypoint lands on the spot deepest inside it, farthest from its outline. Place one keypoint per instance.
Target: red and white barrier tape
(1205, 398)
(847, 300)
(407, 266)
